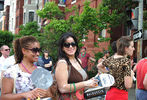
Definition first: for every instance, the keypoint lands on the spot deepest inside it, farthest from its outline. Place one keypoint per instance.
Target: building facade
(12, 16)
(19, 15)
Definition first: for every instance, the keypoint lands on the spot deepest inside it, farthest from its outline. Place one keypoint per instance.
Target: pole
(140, 26)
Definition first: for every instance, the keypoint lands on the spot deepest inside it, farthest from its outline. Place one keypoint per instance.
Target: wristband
(74, 87)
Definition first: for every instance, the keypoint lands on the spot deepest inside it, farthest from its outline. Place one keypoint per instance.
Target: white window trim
(61, 5)
(73, 1)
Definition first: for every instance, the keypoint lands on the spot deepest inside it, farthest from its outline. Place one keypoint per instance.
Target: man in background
(84, 57)
(5, 51)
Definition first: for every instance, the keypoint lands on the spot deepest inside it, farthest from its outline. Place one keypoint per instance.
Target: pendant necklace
(26, 68)
(83, 55)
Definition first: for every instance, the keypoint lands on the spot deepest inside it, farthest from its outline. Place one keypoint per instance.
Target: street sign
(137, 35)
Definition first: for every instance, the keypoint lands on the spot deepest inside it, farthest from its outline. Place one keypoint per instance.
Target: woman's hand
(34, 94)
(91, 82)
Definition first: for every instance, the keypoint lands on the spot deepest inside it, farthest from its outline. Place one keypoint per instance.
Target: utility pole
(140, 27)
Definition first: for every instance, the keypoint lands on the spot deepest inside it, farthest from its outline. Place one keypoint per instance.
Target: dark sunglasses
(67, 45)
(35, 50)
(7, 49)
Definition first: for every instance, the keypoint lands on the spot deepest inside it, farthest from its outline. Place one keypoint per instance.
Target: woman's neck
(71, 57)
(27, 63)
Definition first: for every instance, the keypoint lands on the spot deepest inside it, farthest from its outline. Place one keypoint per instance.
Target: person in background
(141, 69)
(5, 51)
(120, 68)
(114, 48)
(45, 61)
(16, 82)
(84, 57)
(70, 76)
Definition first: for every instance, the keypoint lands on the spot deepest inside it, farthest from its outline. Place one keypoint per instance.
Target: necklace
(82, 54)
(26, 68)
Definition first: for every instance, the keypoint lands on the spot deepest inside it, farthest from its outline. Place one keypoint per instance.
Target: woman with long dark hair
(71, 77)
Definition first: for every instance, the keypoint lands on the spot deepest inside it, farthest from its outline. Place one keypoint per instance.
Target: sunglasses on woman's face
(67, 45)
(35, 50)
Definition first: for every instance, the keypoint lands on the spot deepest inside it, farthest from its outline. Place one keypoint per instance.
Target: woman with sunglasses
(16, 82)
(120, 68)
(71, 77)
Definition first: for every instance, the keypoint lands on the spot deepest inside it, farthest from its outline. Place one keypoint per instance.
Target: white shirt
(2, 60)
(9, 62)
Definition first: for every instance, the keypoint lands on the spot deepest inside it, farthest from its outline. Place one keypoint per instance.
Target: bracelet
(70, 88)
(74, 87)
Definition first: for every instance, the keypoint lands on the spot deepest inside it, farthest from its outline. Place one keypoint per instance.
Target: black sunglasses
(67, 45)
(35, 50)
(7, 49)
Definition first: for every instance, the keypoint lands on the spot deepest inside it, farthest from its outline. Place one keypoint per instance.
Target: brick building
(19, 15)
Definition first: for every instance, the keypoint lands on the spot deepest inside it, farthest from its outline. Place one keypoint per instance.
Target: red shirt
(84, 59)
(141, 68)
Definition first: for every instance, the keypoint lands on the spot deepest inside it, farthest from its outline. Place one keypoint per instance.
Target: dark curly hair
(20, 43)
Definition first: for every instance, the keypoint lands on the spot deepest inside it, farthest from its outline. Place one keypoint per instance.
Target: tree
(30, 28)
(79, 24)
(6, 38)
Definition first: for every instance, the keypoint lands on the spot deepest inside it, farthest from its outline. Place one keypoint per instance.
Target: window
(29, 1)
(25, 2)
(62, 2)
(31, 16)
(103, 33)
(24, 18)
(12, 24)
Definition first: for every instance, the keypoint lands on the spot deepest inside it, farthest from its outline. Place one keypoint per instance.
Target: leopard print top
(118, 68)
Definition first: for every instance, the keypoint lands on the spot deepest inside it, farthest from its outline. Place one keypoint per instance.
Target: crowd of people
(70, 70)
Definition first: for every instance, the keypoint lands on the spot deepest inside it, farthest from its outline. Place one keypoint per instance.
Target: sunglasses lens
(35, 50)
(67, 45)
(73, 44)
(7, 49)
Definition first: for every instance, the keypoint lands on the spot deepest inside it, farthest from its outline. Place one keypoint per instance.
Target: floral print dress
(22, 81)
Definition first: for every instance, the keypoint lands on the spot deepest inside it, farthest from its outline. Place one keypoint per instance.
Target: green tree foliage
(6, 38)
(50, 11)
(117, 11)
(105, 16)
(145, 20)
(30, 28)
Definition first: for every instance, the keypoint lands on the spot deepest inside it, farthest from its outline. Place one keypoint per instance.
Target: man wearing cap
(84, 57)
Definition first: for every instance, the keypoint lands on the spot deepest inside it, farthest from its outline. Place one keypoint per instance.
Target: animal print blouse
(118, 68)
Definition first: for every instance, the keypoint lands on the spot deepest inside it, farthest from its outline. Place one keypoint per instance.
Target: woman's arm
(145, 81)
(128, 80)
(61, 76)
(102, 68)
(7, 91)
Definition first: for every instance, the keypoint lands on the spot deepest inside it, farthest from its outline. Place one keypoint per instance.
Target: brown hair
(20, 43)
(145, 51)
(122, 43)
